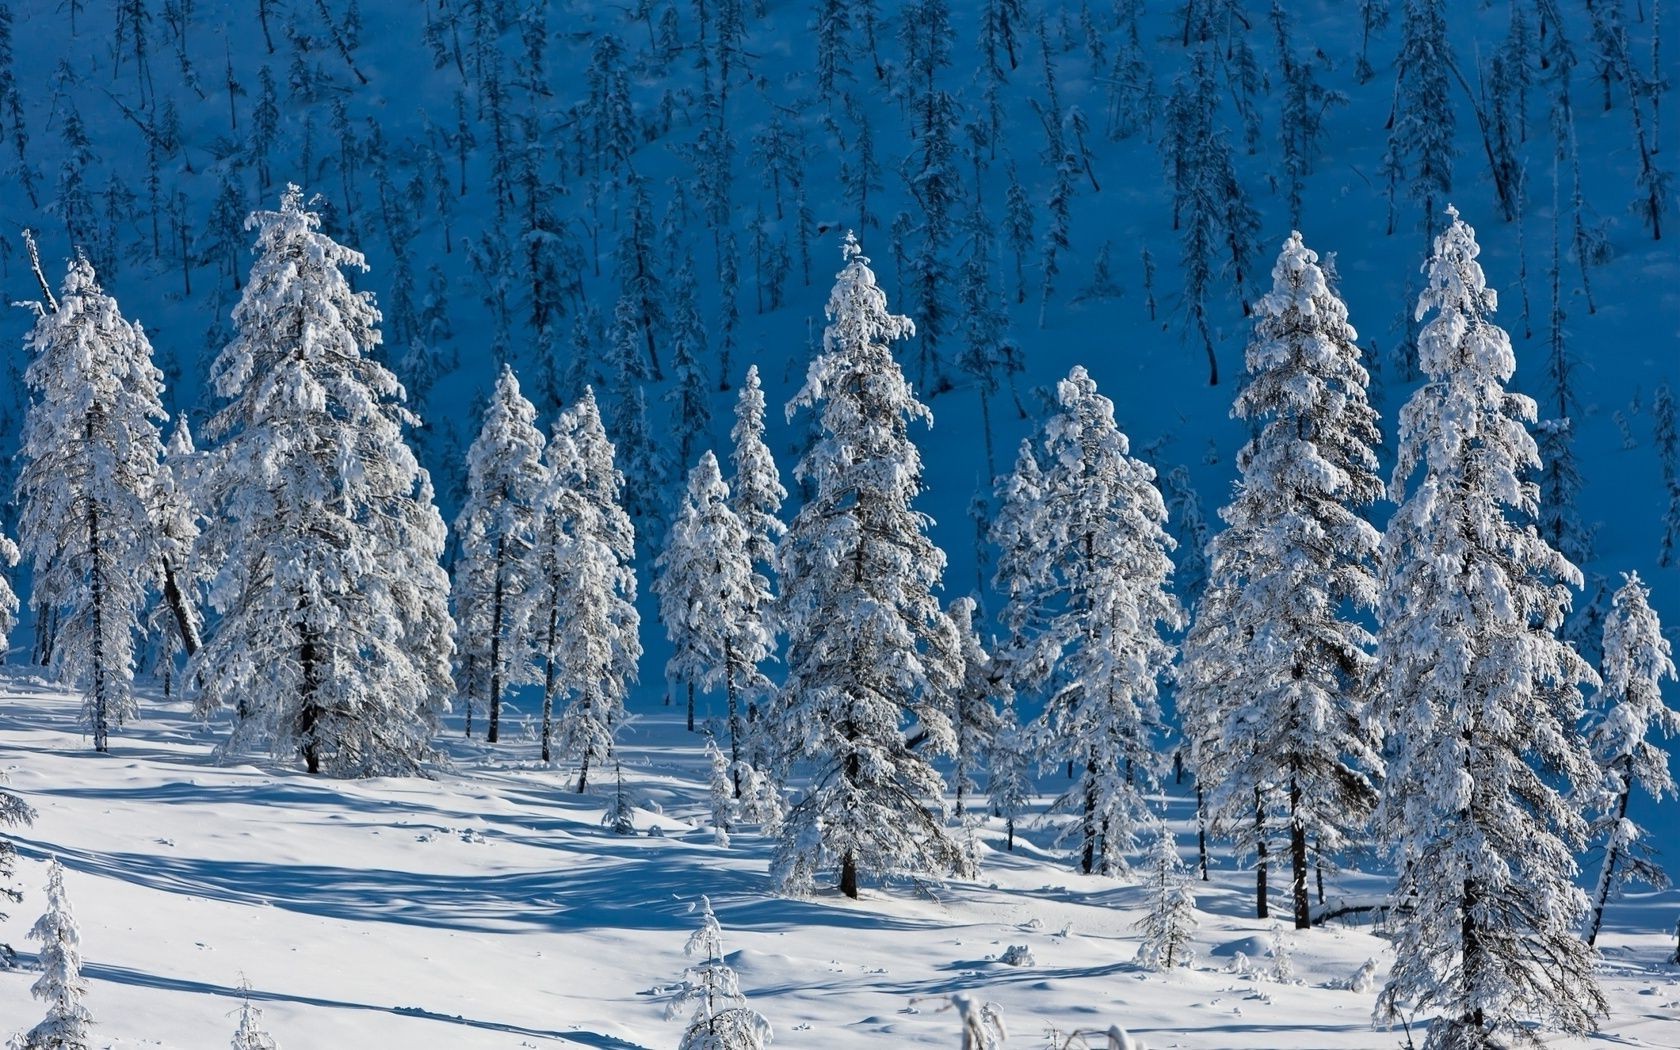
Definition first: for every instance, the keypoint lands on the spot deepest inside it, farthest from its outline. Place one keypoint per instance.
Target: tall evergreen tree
(90, 454)
(592, 644)
(712, 602)
(1087, 569)
(1636, 660)
(869, 649)
(1479, 697)
(494, 572)
(14, 813)
(1300, 564)
(755, 491)
(331, 644)
(1420, 139)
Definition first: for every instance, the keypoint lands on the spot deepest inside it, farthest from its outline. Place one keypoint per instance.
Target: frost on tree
(587, 588)
(90, 455)
(9, 605)
(722, 1020)
(870, 653)
(176, 622)
(60, 985)
(1169, 926)
(1277, 718)
(250, 1035)
(712, 601)
(981, 715)
(755, 492)
(334, 642)
(14, 813)
(1479, 697)
(494, 572)
(1636, 660)
(1085, 564)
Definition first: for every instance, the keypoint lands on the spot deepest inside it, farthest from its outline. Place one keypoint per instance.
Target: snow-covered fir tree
(588, 586)
(91, 446)
(870, 651)
(494, 571)
(756, 490)
(10, 555)
(1295, 564)
(712, 601)
(250, 1035)
(981, 701)
(1086, 566)
(1420, 140)
(721, 1020)
(1169, 925)
(1479, 697)
(1636, 660)
(60, 986)
(333, 644)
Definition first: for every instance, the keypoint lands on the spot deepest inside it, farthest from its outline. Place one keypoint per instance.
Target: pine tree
(756, 491)
(1479, 697)
(1420, 139)
(722, 1020)
(250, 1035)
(712, 601)
(1086, 568)
(91, 446)
(1170, 923)
(1668, 453)
(1636, 660)
(494, 571)
(176, 621)
(1298, 564)
(60, 985)
(690, 394)
(869, 648)
(333, 643)
(981, 702)
(591, 642)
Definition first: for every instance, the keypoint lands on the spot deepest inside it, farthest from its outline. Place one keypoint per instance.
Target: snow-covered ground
(490, 908)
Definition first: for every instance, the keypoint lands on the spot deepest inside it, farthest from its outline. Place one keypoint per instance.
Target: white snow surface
(489, 908)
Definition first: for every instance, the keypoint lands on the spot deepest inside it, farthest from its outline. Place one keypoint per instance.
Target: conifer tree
(712, 601)
(981, 714)
(494, 572)
(1420, 140)
(589, 583)
(722, 1020)
(755, 491)
(869, 649)
(1479, 697)
(333, 644)
(1636, 660)
(176, 621)
(1170, 923)
(250, 1034)
(1668, 454)
(1086, 567)
(14, 813)
(1297, 563)
(60, 985)
(90, 453)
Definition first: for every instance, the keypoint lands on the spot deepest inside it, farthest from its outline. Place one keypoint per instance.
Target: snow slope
(489, 908)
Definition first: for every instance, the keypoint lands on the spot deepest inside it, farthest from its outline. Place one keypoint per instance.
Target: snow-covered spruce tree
(755, 491)
(1636, 660)
(250, 1035)
(496, 530)
(176, 622)
(1212, 651)
(60, 985)
(9, 604)
(14, 813)
(1479, 697)
(870, 651)
(1300, 564)
(722, 1020)
(1090, 587)
(1668, 454)
(1170, 923)
(91, 446)
(712, 601)
(587, 588)
(333, 643)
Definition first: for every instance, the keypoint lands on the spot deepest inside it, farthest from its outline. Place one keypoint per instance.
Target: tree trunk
(96, 589)
(548, 681)
(493, 733)
(734, 716)
(1298, 859)
(309, 713)
(849, 875)
(691, 707)
(583, 773)
(180, 606)
(1608, 878)
(1088, 860)
(1262, 907)
(1201, 830)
